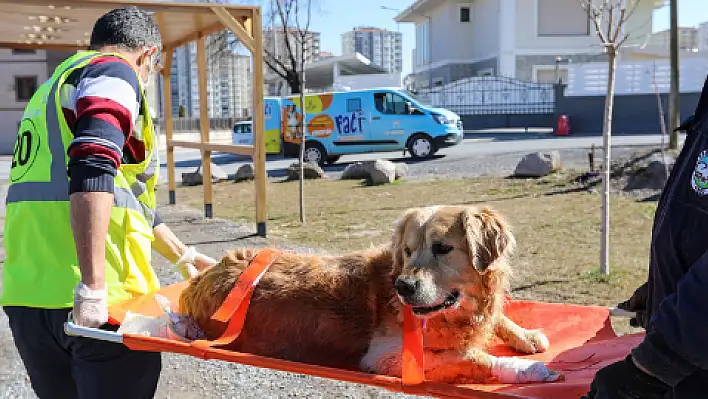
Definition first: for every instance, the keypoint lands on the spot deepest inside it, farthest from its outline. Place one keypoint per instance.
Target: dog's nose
(406, 285)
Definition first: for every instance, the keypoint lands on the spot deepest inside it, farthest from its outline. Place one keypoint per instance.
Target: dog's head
(446, 255)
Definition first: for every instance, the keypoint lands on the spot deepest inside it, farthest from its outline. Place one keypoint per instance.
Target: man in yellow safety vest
(81, 215)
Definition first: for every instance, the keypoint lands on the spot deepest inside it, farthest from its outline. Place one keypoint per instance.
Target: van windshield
(415, 98)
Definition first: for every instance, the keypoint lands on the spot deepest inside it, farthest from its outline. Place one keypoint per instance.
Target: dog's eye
(441, 249)
(407, 251)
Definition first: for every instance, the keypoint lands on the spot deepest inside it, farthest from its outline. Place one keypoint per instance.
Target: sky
(335, 17)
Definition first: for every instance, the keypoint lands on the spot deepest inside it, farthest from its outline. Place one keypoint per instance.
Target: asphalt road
(476, 153)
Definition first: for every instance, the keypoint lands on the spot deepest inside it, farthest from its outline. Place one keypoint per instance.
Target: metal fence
(491, 95)
(194, 124)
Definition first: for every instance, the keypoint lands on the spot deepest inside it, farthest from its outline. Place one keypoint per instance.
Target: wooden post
(204, 124)
(167, 112)
(259, 152)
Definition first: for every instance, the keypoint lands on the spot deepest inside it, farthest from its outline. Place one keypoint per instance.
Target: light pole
(398, 30)
(398, 24)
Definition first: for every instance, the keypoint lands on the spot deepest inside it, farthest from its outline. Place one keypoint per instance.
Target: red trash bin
(563, 126)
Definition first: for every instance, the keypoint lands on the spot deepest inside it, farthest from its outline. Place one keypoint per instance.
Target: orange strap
(235, 306)
(413, 372)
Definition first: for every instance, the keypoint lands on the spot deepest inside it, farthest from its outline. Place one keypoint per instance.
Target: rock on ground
(196, 178)
(377, 172)
(355, 171)
(650, 174)
(311, 170)
(538, 164)
(244, 172)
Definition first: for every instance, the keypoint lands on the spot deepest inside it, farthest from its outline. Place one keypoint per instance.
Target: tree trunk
(606, 136)
(294, 80)
(303, 135)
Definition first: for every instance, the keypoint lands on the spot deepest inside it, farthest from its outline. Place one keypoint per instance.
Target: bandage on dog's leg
(514, 370)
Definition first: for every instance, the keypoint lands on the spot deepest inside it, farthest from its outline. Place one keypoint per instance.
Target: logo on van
(348, 124)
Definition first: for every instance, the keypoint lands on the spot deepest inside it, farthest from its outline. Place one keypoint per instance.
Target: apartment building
(228, 81)
(383, 47)
(277, 42)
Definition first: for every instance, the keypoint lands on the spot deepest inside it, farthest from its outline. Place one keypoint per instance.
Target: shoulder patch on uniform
(699, 179)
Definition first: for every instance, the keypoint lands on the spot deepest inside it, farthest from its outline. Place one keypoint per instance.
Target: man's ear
(489, 237)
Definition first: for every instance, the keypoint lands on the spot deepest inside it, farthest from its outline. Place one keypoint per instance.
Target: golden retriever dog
(450, 264)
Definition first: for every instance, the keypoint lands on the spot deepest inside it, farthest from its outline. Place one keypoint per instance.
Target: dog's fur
(346, 311)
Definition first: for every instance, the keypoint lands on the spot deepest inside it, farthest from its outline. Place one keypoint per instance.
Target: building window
(422, 42)
(561, 18)
(465, 14)
(25, 86)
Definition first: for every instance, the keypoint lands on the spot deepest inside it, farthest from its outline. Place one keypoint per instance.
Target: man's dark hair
(129, 28)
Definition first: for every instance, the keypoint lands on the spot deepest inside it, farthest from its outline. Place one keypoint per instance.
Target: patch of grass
(557, 228)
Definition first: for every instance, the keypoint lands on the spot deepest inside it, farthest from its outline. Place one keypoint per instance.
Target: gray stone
(538, 164)
(381, 172)
(355, 171)
(311, 170)
(244, 172)
(652, 176)
(401, 170)
(196, 178)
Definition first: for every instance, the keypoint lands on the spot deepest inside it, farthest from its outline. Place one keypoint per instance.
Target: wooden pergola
(67, 25)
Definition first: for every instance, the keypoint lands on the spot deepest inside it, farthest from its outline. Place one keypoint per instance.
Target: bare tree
(303, 37)
(609, 18)
(284, 38)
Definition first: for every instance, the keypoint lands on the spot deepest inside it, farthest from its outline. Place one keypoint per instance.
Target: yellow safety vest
(41, 267)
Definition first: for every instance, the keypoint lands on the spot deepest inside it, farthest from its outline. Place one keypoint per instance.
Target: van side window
(390, 103)
(353, 104)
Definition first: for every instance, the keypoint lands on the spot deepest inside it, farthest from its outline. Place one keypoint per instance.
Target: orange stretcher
(581, 342)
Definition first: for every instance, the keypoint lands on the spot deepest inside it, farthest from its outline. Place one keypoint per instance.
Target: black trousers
(65, 367)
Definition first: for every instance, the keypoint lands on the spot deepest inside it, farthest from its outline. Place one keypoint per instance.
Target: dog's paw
(512, 370)
(531, 341)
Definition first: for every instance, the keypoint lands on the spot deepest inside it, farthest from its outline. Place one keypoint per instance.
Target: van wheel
(315, 153)
(421, 146)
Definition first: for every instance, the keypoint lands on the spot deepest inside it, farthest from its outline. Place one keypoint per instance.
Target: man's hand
(624, 380)
(192, 262)
(90, 309)
(186, 259)
(638, 304)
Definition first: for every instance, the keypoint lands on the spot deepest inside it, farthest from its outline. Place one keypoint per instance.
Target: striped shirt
(101, 103)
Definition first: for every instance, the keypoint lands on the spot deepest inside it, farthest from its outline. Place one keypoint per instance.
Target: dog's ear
(489, 237)
(412, 218)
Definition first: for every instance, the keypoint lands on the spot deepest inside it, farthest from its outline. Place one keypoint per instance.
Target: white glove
(511, 370)
(185, 264)
(90, 308)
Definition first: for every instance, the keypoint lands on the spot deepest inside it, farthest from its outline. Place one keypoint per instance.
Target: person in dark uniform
(672, 360)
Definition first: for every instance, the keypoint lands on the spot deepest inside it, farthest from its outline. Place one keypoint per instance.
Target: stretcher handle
(75, 330)
(235, 307)
(615, 311)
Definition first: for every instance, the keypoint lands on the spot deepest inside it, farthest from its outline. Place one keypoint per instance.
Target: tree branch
(284, 13)
(595, 16)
